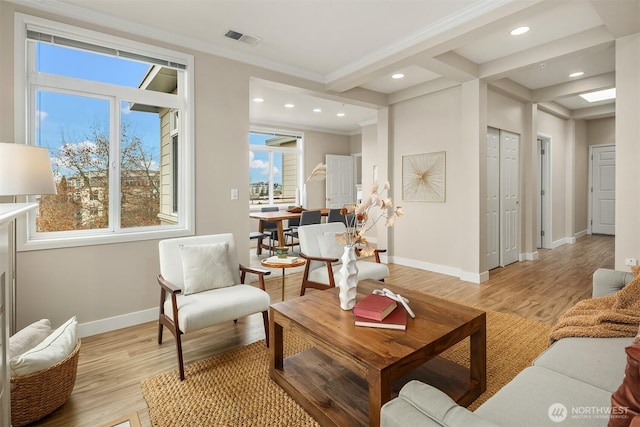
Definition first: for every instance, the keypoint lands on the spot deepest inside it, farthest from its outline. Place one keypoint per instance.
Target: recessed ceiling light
(600, 95)
(340, 114)
(289, 105)
(397, 76)
(258, 100)
(518, 31)
(576, 74)
(317, 110)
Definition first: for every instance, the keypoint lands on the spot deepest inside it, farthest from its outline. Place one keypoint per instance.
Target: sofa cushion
(206, 267)
(608, 282)
(536, 395)
(29, 337)
(420, 404)
(55, 348)
(207, 308)
(596, 361)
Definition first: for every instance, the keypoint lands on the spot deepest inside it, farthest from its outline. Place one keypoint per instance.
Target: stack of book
(277, 260)
(379, 311)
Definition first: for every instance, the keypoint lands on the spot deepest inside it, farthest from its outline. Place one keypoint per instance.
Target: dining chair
(306, 218)
(270, 229)
(202, 284)
(318, 245)
(335, 216)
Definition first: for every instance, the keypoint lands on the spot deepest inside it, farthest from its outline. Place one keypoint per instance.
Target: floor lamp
(25, 170)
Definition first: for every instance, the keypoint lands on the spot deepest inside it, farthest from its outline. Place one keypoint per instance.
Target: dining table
(278, 217)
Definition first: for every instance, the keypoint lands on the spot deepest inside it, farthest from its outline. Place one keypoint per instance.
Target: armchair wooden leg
(160, 327)
(180, 359)
(265, 318)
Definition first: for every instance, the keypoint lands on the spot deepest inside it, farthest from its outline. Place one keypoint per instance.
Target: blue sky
(259, 161)
(74, 114)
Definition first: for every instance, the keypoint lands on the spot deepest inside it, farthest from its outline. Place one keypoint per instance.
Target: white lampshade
(25, 170)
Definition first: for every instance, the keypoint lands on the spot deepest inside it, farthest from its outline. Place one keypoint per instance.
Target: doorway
(602, 194)
(503, 204)
(340, 182)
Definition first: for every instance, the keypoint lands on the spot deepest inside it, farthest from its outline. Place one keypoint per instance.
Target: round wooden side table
(283, 263)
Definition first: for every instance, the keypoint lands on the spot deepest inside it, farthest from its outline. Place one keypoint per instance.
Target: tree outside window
(112, 128)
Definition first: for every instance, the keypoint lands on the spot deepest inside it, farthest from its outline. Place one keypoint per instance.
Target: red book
(397, 319)
(374, 307)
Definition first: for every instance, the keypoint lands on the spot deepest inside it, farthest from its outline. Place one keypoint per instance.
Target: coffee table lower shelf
(335, 396)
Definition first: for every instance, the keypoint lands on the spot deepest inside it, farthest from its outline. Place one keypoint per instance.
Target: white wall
(426, 236)
(505, 113)
(554, 128)
(581, 189)
(627, 136)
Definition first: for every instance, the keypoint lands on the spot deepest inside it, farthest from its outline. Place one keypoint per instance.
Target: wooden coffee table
(350, 372)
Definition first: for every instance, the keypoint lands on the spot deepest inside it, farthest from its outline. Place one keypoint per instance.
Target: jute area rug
(234, 388)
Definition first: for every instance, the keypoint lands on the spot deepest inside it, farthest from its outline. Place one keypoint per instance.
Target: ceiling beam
(555, 109)
(455, 67)
(499, 68)
(597, 112)
(511, 89)
(621, 17)
(434, 40)
(422, 89)
(603, 81)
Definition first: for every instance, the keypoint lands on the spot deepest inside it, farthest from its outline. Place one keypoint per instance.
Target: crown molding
(75, 12)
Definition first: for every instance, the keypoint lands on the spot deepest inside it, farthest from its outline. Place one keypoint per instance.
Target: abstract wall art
(423, 177)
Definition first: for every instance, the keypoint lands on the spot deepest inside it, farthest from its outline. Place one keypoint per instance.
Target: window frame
(299, 151)
(24, 116)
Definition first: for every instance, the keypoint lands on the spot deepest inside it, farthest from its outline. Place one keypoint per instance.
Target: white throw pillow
(329, 246)
(206, 267)
(55, 348)
(29, 337)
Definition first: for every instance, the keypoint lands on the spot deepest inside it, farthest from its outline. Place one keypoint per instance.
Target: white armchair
(200, 275)
(322, 252)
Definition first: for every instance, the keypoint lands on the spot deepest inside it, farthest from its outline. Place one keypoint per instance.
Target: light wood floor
(112, 365)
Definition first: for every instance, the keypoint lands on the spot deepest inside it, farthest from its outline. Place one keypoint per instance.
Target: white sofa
(570, 384)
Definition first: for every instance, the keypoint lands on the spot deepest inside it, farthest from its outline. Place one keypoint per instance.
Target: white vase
(348, 279)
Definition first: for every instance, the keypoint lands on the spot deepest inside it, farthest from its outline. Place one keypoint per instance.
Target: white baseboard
(442, 269)
(564, 241)
(580, 234)
(117, 322)
(529, 256)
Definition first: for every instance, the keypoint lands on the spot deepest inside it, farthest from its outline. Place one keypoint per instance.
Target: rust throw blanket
(610, 316)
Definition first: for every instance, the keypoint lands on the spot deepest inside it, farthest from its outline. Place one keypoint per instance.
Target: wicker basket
(38, 394)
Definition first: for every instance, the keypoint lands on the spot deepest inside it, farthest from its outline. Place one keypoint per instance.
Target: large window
(115, 116)
(274, 168)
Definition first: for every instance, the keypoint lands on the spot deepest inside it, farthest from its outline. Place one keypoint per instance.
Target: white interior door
(340, 185)
(509, 197)
(603, 197)
(493, 198)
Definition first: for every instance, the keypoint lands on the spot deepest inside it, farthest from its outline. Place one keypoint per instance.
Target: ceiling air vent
(245, 38)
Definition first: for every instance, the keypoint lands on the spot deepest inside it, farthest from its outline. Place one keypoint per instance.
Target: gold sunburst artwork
(423, 177)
